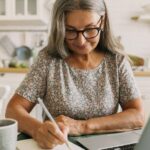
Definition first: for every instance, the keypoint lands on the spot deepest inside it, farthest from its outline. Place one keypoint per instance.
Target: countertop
(142, 73)
(14, 70)
(25, 70)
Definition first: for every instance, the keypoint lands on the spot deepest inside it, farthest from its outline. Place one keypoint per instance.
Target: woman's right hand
(48, 135)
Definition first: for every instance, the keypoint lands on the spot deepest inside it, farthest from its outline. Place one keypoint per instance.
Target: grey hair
(56, 44)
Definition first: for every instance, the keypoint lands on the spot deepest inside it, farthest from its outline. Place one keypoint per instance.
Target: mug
(8, 134)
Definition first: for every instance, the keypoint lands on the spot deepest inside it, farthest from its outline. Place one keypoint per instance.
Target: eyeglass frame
(83, 31)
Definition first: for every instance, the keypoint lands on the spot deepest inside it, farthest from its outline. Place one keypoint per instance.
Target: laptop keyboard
(125, 147)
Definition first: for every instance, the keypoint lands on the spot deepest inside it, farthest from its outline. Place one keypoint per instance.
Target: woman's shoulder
(117, 60)
(44, 54)
(116, 57)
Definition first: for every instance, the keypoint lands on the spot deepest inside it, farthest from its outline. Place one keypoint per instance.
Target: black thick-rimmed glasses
(88, 33)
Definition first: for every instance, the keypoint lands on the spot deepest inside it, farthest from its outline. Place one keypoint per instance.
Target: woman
(82, 77)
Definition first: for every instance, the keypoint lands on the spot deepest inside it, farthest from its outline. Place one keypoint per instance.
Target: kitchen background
(24, 29)
(27, 23)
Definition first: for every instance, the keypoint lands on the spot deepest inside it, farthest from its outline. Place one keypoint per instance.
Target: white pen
(51, 118)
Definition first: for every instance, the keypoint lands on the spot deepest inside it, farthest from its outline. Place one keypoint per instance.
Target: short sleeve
(128, 89)
(34, 84)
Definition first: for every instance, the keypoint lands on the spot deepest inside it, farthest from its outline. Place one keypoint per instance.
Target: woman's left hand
(76, 127)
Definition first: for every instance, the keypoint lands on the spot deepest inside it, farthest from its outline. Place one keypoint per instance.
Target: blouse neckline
(87, 70)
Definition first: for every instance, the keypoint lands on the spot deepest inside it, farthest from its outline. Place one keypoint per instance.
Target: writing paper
(32, 145)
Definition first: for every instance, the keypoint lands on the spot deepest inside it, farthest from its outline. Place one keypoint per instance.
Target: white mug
(8, 134)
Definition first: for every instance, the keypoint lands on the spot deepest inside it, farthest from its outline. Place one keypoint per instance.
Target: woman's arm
(19, 108)
(45, 133)
(132, 117)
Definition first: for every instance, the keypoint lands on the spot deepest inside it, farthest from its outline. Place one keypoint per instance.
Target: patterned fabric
(78, 93)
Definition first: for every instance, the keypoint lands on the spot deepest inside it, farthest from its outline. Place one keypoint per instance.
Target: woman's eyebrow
(69, 26)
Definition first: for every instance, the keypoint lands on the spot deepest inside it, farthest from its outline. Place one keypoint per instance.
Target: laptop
(133, 140)
(144, 142)
(111, 141)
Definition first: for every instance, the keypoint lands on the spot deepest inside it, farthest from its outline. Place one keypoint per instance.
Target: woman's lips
(80, 47)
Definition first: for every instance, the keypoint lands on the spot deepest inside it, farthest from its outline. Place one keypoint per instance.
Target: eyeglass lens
(87, 33)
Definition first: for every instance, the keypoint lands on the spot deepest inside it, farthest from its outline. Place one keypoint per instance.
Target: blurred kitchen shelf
(145, 17)
(23, 25)
(142, 73)
(14, 70)
(26, 70)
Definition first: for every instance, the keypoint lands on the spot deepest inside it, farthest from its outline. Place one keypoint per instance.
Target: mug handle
(4, 91)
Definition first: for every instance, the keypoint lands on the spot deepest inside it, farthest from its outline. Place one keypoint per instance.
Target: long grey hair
(56, 44)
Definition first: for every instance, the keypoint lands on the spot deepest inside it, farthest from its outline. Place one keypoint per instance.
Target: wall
(135, 35)
(25, 38)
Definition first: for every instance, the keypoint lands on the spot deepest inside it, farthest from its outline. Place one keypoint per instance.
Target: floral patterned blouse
(78, 93)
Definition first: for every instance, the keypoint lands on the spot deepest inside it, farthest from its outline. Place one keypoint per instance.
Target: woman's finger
(56, 132)
(49, 141)
(64, 129)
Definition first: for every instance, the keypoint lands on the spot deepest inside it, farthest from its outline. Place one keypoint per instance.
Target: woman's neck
(88, 61)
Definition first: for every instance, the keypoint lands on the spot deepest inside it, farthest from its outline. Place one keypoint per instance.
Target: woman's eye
(89, 30)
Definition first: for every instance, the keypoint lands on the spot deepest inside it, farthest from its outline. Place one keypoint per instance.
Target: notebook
(31, 144)
(111, 140)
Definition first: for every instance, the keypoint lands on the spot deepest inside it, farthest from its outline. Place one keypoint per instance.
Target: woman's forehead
(78, 17)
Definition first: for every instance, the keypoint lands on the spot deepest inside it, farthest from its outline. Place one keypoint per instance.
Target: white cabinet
(23, 13)
(26, 7)
(144, 86)
(13, 80)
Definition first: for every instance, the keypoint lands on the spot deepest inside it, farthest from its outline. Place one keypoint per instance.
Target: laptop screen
(144, 142)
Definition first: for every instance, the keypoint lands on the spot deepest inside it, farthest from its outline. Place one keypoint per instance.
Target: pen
(51, 118)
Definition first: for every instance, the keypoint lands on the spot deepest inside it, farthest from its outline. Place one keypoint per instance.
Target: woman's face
(80, 20)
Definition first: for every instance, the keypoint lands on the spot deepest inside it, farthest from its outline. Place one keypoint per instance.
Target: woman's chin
(82, 52)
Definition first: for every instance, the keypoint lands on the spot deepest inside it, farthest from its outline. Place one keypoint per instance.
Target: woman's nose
(81, 39)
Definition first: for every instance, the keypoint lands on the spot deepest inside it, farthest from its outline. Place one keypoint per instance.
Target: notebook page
(32, 145)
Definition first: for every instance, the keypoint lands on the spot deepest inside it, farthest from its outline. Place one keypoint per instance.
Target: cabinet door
(25, 14)
(6, 9)
(16, 8)
(19, 7)
(2, 7)
(144, 86)
(32, 7)
(13, 81)
(26, 7)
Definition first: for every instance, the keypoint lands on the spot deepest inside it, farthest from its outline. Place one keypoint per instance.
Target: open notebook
(32, 145)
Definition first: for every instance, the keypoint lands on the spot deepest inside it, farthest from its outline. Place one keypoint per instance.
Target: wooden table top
(25, 70)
